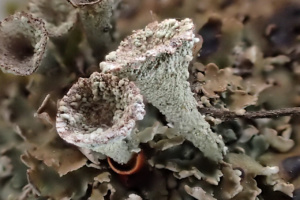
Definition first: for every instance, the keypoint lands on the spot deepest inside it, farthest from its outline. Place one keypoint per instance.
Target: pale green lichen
(198, 193)
(174, 168)
(157, 60)
(100, 114)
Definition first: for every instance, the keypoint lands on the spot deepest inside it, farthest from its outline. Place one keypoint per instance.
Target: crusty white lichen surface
(23, 41)
(157, 59)
(100, 113)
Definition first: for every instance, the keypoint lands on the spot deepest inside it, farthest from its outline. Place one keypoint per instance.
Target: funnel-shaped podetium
(96, 17)
(157, 60)
(23, 41)
(100, 113)
(59, 16)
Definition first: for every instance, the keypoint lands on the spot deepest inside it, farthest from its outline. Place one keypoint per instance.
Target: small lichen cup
(100, 113)
(23, 41)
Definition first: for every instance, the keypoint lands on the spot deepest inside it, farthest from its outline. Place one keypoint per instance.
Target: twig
(229, 115)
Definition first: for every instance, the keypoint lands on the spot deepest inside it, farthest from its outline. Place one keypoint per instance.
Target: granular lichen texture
(100, 114)
(157, 60)
(149, 100)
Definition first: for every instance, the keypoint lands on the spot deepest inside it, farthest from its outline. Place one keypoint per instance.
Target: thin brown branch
(229, 115)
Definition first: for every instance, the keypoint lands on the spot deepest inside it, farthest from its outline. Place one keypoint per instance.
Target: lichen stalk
(100, 113)
(23, 41)
(59, 16)
(157, 60)
(96, 18)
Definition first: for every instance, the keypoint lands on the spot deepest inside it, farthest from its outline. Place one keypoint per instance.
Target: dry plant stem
(229, 115)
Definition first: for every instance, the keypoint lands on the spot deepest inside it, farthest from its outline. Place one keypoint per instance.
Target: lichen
(23, 40)
(246, 62)
(158, 62)
(96, 18)
(100, 113)
(59, 16)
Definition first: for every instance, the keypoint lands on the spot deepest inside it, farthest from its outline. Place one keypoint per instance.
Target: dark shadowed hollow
(18, 47)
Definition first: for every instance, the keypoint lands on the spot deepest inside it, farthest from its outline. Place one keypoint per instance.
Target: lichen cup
(23, 41)
(100, 113)
(157, 60)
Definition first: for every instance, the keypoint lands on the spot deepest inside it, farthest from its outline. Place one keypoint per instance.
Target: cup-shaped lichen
(100, 113)
(59, 16)
(157, 60)
(23, 40)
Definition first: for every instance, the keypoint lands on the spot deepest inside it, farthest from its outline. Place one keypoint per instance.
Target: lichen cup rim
(102, 130)
(82, 4)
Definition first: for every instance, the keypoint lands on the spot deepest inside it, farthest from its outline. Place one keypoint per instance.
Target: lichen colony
(149, 99)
